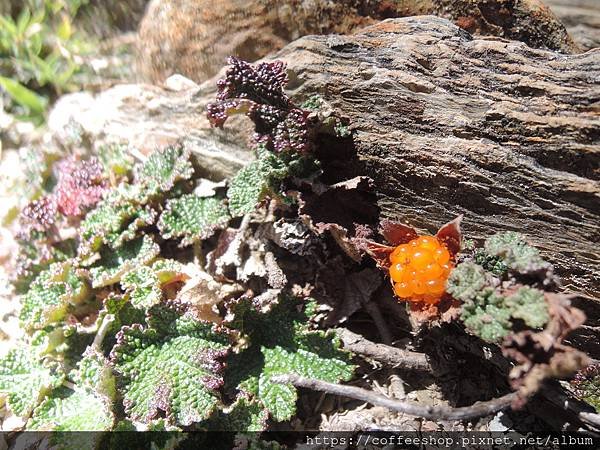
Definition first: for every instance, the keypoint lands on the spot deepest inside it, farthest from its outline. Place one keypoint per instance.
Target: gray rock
(195, 37)
(147, 117)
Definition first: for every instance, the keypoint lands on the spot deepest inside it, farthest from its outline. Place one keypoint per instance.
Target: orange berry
(402, 290)
(432, 271)
(446, 268)
(427, 243)
(420, 269)
(397, 272)
(437, 286)
(418, 286)
(441, 255)
(400, 254)
(410, 275)
(419, 276)
(421, 259)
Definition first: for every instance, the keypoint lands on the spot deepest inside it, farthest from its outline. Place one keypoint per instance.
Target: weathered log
(581, 18)
(446, 124)
(194, 37)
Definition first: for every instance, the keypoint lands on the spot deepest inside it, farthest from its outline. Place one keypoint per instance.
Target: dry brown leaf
(450, 235)
(202, 293)
(396, 233)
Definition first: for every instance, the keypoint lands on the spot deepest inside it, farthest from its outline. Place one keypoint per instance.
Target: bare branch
(479, 409)
(69, 385)
(387, 354)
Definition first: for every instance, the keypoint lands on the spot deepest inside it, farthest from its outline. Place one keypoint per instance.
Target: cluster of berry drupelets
(419, 269)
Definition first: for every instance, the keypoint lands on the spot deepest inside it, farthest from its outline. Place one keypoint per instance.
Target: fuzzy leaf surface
(315, 362)
(487, 317)
(530, 305)
(253, 182)
(143, 287)
(94, 372)
(174, 368)
(514, 251)
(281, 342)
(192, 218)
(25, 380)
(115, 263)
(489, 312)
(50, 295)
(117, 218)
(163, 169)
(78, 410)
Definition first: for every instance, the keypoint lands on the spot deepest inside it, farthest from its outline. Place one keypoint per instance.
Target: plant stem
(102, 330)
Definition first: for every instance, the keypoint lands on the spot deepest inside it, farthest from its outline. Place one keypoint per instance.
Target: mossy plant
(494, 303)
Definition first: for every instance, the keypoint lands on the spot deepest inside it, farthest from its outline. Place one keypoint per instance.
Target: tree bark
(446, 124)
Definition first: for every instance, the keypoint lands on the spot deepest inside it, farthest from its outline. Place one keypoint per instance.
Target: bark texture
(582, 19)
(194, 37)
(446, 124)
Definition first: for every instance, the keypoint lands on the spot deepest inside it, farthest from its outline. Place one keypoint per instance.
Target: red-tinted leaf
(340, 235)
(564, 317)
(39, 215)
(396, 233)
(379, 252)
(80, 186)
(450, 235)
(537, 363)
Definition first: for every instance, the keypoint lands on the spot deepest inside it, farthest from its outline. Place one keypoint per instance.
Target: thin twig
(69, 385)
(479, 409)
(373, 310)
(384, 353)
(232, 255)
(198, 255)
(136, 153)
